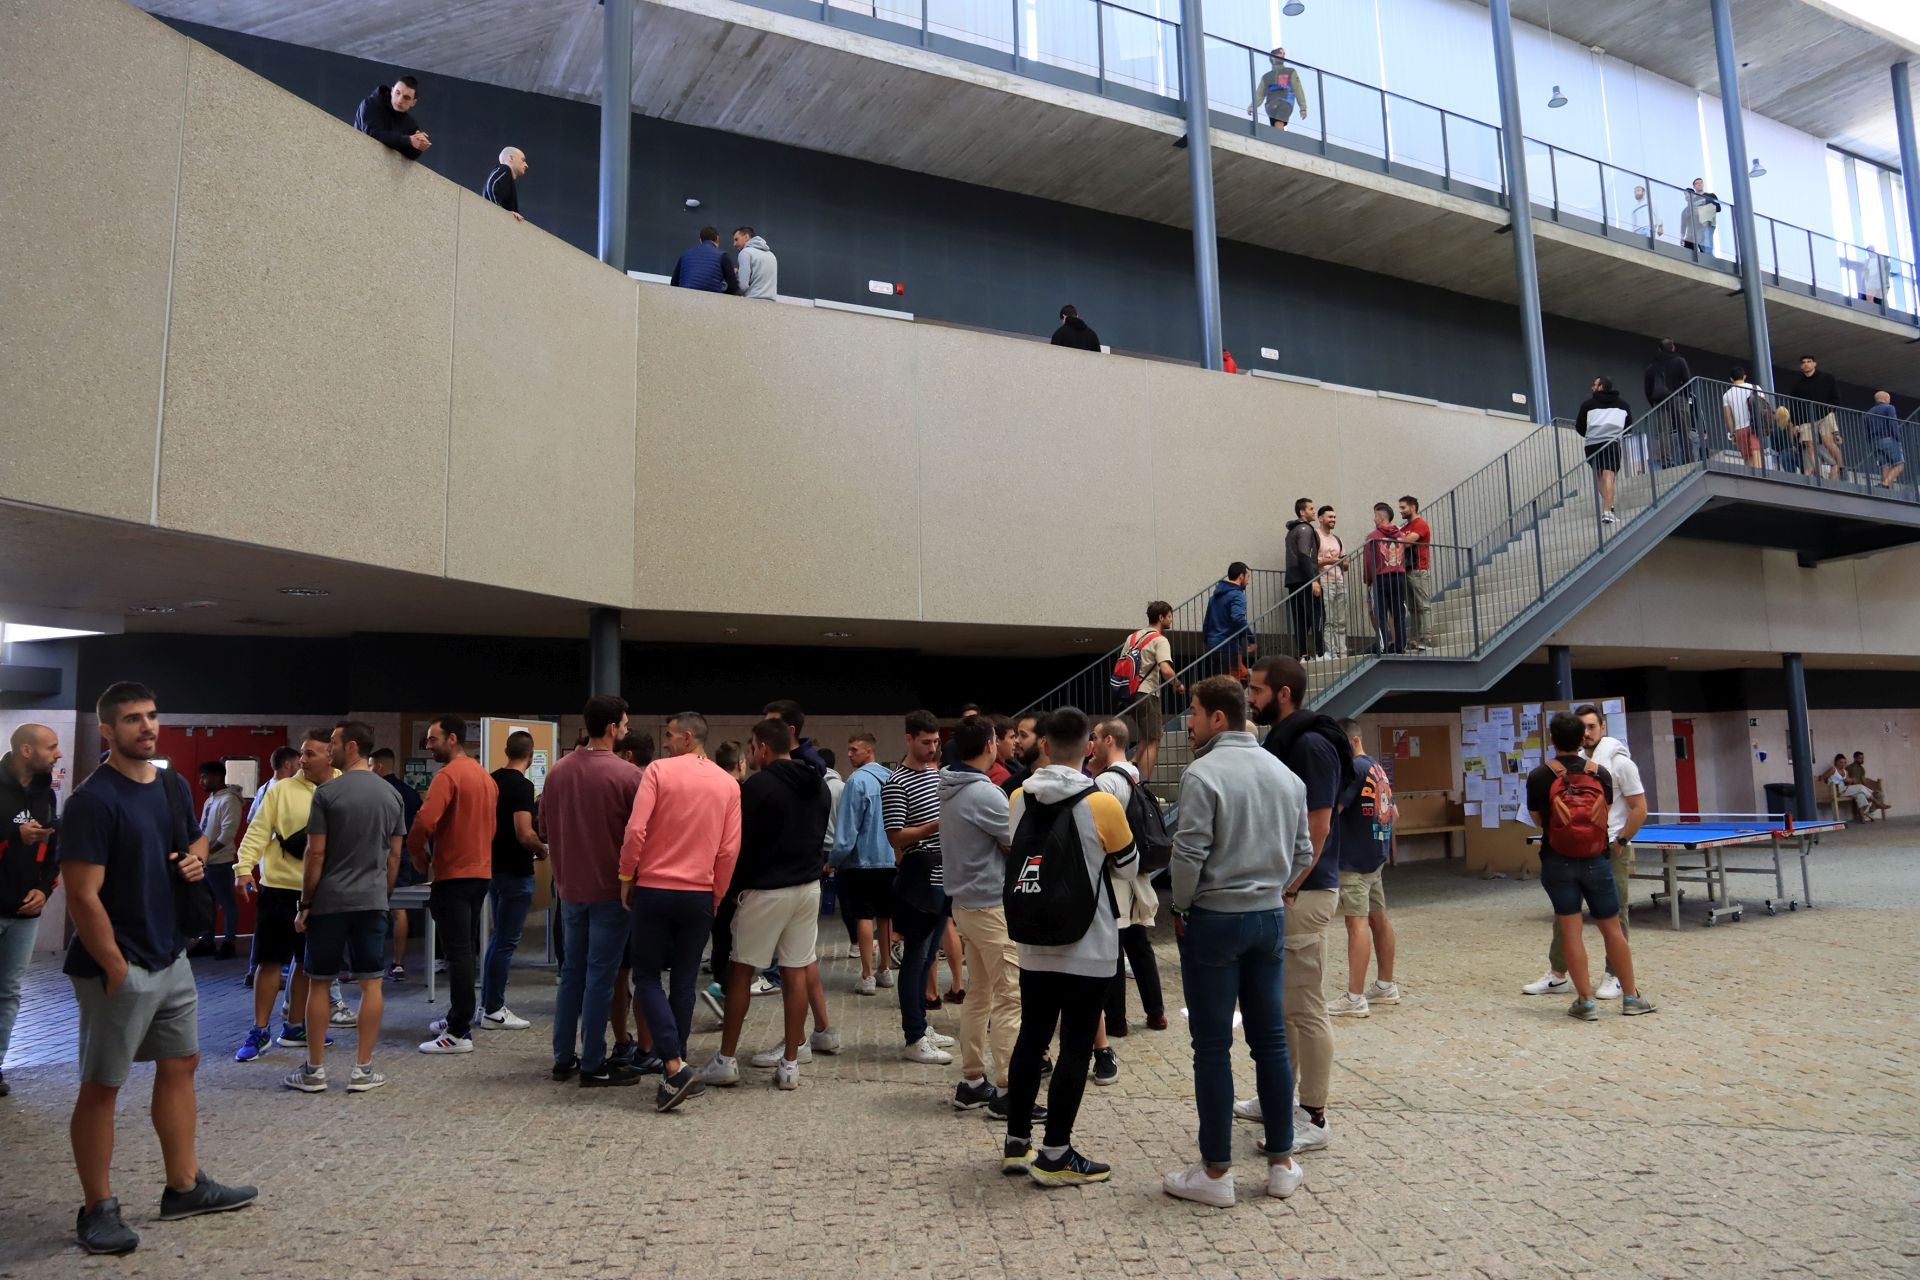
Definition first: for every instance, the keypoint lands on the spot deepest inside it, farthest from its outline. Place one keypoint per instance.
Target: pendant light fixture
(1558, 99)
(1293, 8)
(1758, 171)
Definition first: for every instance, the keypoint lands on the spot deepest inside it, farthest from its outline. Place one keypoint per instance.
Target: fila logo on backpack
(1576, 812)
(1129, 667)
(1050, 896)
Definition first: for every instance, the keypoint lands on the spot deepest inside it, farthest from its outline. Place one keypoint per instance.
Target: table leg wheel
(1793, 905)
(1712, 921)
(1769, 906)
(1737, 915)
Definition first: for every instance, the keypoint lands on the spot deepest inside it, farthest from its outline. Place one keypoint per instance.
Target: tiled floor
(1765, 1122)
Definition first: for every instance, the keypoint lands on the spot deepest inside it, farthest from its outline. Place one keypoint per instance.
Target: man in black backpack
(1065, 839)
(1135, 902)
(1667, 374)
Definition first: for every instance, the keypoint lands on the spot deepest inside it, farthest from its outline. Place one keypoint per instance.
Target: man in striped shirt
(910, 813)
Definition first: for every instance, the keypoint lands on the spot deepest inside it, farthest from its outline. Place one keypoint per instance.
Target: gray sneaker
(307, 1079)
(364, 1079)
(100, 1229)
(1637, 1004)
(827, 1041)
(1585, 1010)
(206, 1196)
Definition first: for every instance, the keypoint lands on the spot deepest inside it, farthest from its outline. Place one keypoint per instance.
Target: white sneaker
(1607, 517)
(1308, 1136)
(444, 1043)
(884, 978)
(721, 1071)
(1348, 1005)
(343, 1015)
(1552, 984)
(1248, 1109)
(937, 1040)
(504, 1019)
(762, 987)
(1192, 1183)
(864, 986)
(1608, 990)
(786, 1075)
(827, 1042)
(1284, 1179)
(924, 1051)
(771, 1057)
(1383, 993)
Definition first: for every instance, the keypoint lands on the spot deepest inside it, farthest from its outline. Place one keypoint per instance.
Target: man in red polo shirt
(1418, 537)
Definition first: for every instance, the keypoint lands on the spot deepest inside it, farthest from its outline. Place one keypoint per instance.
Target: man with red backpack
(1141, 677)
(1569, 798)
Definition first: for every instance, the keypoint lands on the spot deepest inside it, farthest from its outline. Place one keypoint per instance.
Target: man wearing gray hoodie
(973, 842)
(1242, 828)
(759, 269)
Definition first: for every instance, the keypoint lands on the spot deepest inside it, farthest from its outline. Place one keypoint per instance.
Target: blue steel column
(1206, 249)
(1909, 158)
(1799, 739)
(603, 651)
(1560, 662)
(1513, 149)
(1743, 225)
(616, 128)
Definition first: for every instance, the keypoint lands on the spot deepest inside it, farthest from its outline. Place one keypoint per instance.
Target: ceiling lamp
(1293, 8)
(1758, 170)
(1558, 99)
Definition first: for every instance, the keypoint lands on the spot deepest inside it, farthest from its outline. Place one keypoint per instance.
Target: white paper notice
(1470, 717)
(1489, 816)
(1613, 707)
(1471, 808)
(1500, 715)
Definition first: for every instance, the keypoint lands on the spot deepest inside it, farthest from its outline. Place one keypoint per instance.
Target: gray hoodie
(1108, 843)
(973, 838)
(1243, 821)
(759, 269)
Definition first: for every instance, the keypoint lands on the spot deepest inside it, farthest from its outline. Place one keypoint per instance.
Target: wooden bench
(1429, 814)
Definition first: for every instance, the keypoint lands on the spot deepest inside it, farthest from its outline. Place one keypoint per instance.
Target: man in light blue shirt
(863, 863)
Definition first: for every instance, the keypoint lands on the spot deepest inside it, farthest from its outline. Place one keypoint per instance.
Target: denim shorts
(1569, 880)
(1889, 452)
(347, 944)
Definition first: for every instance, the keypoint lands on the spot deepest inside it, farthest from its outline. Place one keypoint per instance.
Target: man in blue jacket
(705, 268)
(1227, 620)
(863, 864)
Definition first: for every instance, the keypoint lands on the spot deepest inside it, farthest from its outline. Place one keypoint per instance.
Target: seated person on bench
(1845, 789)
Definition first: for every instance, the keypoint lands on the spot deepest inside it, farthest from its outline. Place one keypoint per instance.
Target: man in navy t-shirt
(122, 843)
(1313, 747)
(1366, 833)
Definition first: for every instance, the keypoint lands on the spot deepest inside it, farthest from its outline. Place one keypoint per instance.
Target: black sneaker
(625, 1052)
(612, 1075)
(100, 1230)
(1015, 1155)
(676, 1089)
(5, 1088)
(1046, 1066)
(968, 1096)
(998, 1107)
(565, 1071)
(206, 1196)
(1106, 1066)
(650, 1064)
(224, 952)
(1071, 1170)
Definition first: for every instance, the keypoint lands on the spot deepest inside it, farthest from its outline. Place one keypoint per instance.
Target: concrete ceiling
(1614, 657)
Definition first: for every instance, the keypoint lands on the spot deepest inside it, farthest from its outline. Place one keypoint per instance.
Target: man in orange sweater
(458, 817)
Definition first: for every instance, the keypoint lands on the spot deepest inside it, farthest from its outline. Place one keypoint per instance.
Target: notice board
(1500, 744)
(1418, 757)
(494, 731)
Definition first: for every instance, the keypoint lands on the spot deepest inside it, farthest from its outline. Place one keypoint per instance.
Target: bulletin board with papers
(1500, 744)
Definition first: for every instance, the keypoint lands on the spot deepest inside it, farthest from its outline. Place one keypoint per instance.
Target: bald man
(27, 869)
(500, 185)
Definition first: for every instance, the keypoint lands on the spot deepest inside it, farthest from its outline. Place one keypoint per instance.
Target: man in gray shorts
(126, 835)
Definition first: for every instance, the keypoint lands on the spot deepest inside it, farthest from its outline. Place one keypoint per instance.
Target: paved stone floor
(1765, 1122)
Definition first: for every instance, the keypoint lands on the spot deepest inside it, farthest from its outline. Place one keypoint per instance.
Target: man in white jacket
(759, 269)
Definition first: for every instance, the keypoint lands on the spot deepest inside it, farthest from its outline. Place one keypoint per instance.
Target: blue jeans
(596, 945)
(220, 880)
(670, 931)
(16, 949)
(1224, 959)
(511, 896)
(920, 936)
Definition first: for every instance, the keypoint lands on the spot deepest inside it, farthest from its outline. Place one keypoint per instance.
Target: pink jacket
(685, 828)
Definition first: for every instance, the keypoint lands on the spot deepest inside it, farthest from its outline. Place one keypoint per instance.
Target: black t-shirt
(1540, 788)
(123, 825)
(1317, 763)
(1365, 837)
(510, 857)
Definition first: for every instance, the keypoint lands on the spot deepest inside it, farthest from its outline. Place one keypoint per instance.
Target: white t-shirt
(1739, 400)
(1612, 756)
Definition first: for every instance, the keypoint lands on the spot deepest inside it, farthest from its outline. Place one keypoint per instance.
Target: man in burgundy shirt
(1414, 532)
(1383, 563)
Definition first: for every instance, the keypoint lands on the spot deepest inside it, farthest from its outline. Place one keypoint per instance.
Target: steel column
(616, 130)
(1513, 148)
(1747, 236)
(1206, 250)
(1799, 739)
(1560, 662)
(603, 651)
(1909, 167)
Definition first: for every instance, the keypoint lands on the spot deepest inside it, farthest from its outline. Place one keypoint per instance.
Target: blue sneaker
(295, 1037)
(258, 1041)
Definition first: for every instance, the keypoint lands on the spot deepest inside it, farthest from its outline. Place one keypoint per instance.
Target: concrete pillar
(616, 129)
(603, 651)
(1513, 150)
(1909, 160)
(1799, 739)
(1206, 251)
(1560, 662)
(1758, 340)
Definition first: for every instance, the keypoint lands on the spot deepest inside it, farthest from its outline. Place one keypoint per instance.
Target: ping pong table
(1693, 849)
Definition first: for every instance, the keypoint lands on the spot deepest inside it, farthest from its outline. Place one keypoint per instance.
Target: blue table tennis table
(1693, 849)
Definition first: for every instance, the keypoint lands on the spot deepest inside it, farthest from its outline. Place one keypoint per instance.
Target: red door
(1687, 784)
(187, 747)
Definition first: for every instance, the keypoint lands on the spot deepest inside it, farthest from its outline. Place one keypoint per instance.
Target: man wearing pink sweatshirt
(676, 861)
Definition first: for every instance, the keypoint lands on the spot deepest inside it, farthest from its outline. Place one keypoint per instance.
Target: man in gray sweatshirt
(759, 269)
(1242, 826)
(973, 843)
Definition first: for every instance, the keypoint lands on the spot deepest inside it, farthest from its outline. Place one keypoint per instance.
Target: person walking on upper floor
(1873, 275)
(386, 116)
(220, 819)
(28, 865)
(502, 184)
(1075, 332)
(1746, 413)
(1224, 634)
(1883, 424)
(759, 269)
(1697, 219)
(704, 267)
(1602, 422)
(1303, 588)
(1646, 222)
(1241, 838)
(1816, 429)
(1280, 91)
(458, 817)
(1666, 375)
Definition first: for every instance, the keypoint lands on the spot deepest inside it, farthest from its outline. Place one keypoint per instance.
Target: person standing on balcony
(702, 267)
(1075, 332)
(1602, 422)
(501, 187)
(1303, 591)
(1415, 531)
(386, 116)
(1697, 219)
(1883, 421)
(1333, 585)
(1745, 410)
(1225, 629)
(1645, 221)
(1280, 90)
(1873, 276)
(759, 269)
(1384, 567)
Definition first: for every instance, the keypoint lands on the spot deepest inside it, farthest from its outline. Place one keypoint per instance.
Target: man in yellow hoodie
(276, 841)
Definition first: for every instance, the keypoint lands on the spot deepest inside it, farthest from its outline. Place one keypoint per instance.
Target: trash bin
(1780, 799)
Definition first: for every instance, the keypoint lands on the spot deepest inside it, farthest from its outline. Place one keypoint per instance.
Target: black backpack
(1049, 896)
(1148, 824)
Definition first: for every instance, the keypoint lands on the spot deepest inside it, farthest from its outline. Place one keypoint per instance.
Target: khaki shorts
(153, 1016)
(1362, 892)
(1144, 719)
(783, 923)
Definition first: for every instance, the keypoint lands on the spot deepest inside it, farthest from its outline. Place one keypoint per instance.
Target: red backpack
(1130, 668)
(1576, 812)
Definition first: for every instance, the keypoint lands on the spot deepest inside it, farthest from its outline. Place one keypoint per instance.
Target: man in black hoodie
(27, 867)
(783, 822)
(1075, 332)
(1603, 422)
(1303, 592)
(1667, 374)
(385, 115)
